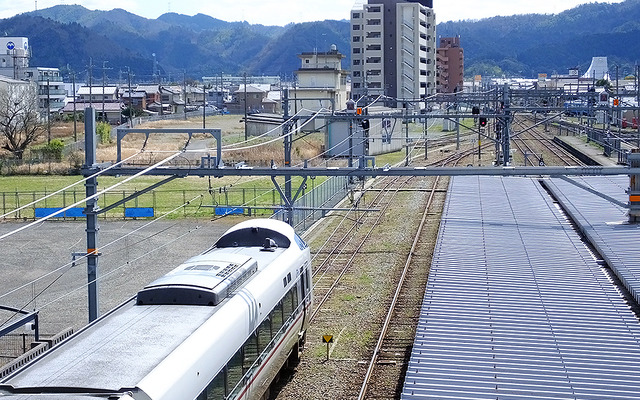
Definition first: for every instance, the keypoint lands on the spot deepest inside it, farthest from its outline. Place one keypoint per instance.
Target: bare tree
(19, 118)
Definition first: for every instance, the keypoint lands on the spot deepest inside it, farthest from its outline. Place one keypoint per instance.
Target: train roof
(118, 350)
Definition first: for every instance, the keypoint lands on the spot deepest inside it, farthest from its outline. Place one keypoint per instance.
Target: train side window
(250, 351)
(216, 389)
(234, 371)
(276, 319)
(287, 304)
(301, 244)
(264, 334)
(295, 297)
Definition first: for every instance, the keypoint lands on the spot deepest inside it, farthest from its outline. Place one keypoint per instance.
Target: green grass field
(203, 194)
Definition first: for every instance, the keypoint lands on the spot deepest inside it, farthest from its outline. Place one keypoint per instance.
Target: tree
(19, 118)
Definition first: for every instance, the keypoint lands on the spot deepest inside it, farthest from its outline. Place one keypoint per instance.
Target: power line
(92, 196)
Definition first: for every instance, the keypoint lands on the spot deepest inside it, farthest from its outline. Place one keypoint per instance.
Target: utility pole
(104, 79)
(406, 134)
(426, 136)
(48, 112)
(350, 162)
(184, 90)
(161, 101)
(91, 82)
(91, 211)
(75, 129)
(506, 134)
(638, 102)
(618, 111)
(204, 107)
(130, 98)
(287, 156)
(457, 122)
(246, 136)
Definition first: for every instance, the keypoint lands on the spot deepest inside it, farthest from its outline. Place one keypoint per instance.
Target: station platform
(605, 224)
(592, 152)
(517, 306)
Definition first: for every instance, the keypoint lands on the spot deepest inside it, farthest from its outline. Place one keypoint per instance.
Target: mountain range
(69, 36)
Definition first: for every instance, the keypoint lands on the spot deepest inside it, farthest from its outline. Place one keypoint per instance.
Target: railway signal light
(483, 121)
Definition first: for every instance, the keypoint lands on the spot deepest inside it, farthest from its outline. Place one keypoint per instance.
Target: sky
(282, 12)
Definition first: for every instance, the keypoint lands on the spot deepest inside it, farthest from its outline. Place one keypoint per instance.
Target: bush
(69, 117)
(53, 150)
(104, 132)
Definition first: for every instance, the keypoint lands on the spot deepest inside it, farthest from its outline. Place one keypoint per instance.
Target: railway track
(370, 275)
(393, 348)
(541, 146)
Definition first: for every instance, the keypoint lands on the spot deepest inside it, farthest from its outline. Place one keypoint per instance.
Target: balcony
(52, 92)
(50, 78)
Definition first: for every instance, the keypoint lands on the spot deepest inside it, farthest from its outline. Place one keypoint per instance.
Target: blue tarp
(139, 212)
(42, 212)
(229, 210)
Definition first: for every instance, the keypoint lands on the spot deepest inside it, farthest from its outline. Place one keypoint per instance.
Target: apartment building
(393, 46)
(450, 65)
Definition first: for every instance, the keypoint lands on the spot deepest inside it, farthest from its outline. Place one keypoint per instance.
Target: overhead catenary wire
(269, 141)
(113, 271)
(66, 267)
(230, 146)
(100, 193)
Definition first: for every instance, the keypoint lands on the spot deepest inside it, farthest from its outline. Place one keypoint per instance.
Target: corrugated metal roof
(605, 224)
(516, 306)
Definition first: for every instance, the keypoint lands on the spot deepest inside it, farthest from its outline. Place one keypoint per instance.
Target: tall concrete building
(393, 44)
(450, 65)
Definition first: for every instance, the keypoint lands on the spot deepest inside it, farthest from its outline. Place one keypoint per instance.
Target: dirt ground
(124, 267)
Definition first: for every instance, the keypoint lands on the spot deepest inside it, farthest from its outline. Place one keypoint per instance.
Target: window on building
(356, 85)
(356, 74)
(356, 62)
(356, 39)
(356, 15)
(374, 35)
(356, 50)
(356, 27)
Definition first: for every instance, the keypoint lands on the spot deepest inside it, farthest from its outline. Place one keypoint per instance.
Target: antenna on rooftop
(36, 5)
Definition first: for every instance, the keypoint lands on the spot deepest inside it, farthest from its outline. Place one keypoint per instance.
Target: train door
(305, 289)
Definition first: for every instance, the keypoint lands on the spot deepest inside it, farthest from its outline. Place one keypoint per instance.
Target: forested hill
(67, 36)
(531, 44)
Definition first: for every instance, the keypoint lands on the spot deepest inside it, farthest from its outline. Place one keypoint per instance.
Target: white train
(220, 326)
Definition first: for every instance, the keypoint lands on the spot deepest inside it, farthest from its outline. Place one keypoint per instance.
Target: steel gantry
(498, 104)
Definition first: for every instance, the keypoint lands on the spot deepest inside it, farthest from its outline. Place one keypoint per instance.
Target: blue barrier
(42, 212)
(139, 212)
(229, 211)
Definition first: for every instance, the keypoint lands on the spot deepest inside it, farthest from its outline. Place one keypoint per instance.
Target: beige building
(322, 83)
(393, 44)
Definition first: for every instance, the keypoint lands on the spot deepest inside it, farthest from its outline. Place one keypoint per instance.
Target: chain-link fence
(14, 345)
(312, 206)
(254, 201)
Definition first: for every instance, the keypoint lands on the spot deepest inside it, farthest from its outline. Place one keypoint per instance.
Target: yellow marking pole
(327, 339)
